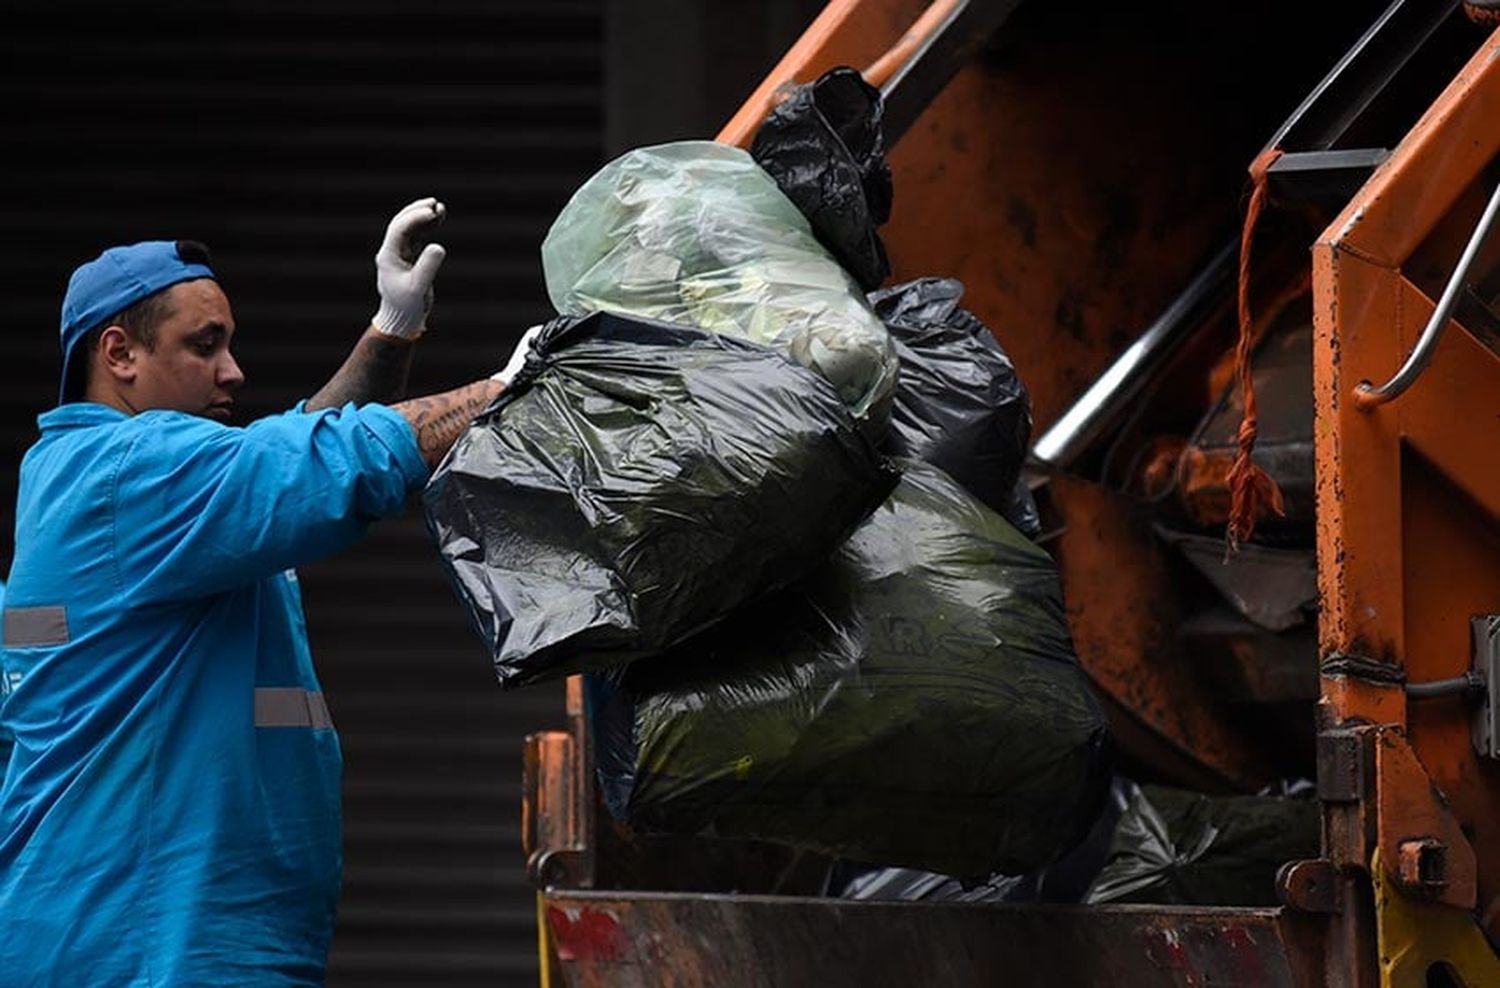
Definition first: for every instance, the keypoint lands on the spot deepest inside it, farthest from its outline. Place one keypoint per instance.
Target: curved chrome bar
(1368, 396)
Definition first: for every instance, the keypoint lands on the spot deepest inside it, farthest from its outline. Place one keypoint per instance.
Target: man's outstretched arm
(405, 267)
(375, 370)
(438, 420)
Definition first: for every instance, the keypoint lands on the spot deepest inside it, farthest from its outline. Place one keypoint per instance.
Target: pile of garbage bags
(779, 523)
(914, 699)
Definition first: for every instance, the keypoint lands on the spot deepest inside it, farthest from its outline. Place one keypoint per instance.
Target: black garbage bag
(825, 148)
(1064, 881)
(916, 702)
(959, 402)
(1174, 847)
(1021, 511)
(635, 484)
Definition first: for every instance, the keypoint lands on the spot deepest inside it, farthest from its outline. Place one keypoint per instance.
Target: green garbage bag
(1175, 847)
(696, 233)
(915, 701)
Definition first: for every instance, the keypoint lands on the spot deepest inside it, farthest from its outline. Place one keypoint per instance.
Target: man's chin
(219, 413)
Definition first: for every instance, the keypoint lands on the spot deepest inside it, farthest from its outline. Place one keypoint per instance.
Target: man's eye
(204, 348)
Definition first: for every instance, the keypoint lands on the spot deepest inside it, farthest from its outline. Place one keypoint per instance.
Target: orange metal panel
(1461, 444)
(848, 32)
(999, 184)
(1358, 335)
(1409, 495)
(1346, 699)
(1420, 182)
(1160, 710)
(1413, 820)
(1451, 548)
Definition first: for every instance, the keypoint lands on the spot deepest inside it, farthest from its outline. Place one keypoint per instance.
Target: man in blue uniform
(170, 815)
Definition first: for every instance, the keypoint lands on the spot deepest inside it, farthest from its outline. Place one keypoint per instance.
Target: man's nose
(230, 375)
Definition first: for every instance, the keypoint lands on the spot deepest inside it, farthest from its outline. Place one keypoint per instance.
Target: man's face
(190, 369)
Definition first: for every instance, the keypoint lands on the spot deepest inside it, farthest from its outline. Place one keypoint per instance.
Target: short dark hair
(138, 320)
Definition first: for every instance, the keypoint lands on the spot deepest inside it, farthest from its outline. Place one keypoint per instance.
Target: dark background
(284, 135)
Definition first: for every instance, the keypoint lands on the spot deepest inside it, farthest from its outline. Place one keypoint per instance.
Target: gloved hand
(517, 357)
(402, 276)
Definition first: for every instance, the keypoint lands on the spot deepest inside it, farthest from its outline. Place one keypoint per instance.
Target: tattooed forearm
(375, 371)
(438, 420)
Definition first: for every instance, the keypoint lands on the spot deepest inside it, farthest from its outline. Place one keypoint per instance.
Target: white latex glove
(402, 276)
(517, 358)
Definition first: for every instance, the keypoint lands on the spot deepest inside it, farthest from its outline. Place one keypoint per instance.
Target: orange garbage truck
(1242, 255)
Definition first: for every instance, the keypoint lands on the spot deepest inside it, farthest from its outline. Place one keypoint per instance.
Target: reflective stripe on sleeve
(290, 706)
(31, 626)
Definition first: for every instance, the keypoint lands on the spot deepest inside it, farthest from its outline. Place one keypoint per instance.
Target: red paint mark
(1248, 968)
(1166, 951)
(588, 935)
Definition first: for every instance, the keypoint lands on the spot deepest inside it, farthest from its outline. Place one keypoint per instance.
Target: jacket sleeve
(200, 508)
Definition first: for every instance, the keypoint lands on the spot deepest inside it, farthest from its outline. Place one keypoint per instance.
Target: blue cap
(113, 282)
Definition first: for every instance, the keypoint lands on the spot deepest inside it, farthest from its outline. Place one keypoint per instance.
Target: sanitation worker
(170, 815)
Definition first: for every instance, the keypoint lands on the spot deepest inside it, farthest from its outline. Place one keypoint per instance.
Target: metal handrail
(1368, 396)
(914, 42)
(1128, 375)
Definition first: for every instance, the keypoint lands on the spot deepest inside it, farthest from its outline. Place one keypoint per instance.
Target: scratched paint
(1245, 956)
(1165, 949)
(586, 934)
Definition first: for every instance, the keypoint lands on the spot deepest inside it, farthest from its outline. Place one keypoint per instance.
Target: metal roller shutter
(284, 135)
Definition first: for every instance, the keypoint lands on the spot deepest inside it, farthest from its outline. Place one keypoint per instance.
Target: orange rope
(1251, 489)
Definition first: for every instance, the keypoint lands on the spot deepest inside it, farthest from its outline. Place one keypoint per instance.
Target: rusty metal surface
(1247, 664)
(557, 801)
(949, 36)
(1073, 263)
(1409, 507)
(1310, 886)
(725, 941)
(1417, 834)
(1163, 710)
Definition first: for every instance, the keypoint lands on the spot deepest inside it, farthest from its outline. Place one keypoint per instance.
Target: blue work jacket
(4, 689)
(171, 811)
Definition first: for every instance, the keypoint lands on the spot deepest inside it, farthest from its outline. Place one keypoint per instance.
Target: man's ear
(117, 354)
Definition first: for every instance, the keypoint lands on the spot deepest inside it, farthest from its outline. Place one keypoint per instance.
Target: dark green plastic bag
(915, 701)
(1174, 847)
